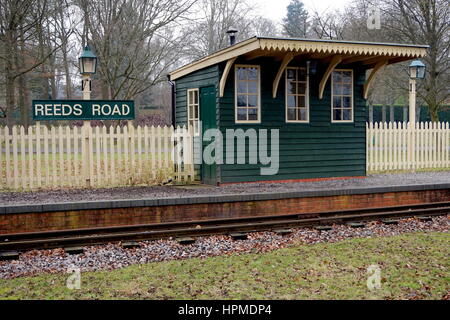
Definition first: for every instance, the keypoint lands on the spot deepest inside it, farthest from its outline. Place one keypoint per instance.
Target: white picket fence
(77, 157)
(400, 146)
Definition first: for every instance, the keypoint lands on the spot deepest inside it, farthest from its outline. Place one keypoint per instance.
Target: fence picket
(406, 146)
(30, 158)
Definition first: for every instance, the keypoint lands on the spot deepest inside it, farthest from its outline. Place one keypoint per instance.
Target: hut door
(208, 119)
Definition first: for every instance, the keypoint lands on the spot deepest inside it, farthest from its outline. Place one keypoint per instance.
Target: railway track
(95, 236)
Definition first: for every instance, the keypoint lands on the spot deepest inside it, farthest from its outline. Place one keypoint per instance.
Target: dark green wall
(202, 78)
(319, 149)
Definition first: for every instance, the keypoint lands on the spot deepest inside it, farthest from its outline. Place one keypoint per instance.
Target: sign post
(86, 132)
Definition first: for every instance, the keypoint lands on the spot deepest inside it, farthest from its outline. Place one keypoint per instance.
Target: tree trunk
(67, 72)
(10, 83)
(23, 90)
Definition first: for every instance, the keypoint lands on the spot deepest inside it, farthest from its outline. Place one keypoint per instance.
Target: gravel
(113, 256)
(155, 192)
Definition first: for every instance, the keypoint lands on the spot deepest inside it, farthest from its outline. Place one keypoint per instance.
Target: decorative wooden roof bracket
(380, 65)
(287, 58)
(334, 62)
(226, 71)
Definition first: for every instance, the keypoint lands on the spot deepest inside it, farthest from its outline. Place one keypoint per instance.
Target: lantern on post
(88, 67)
(88, 61)
(416, 71)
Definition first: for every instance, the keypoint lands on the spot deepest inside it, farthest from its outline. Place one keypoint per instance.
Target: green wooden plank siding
(202, 78)
(320, 149)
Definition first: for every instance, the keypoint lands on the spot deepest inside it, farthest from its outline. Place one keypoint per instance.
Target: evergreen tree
(295, 24)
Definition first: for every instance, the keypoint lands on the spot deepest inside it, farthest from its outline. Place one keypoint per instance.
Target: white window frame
(352, 96)
(193, 105)
(236, 93)
(296, 95)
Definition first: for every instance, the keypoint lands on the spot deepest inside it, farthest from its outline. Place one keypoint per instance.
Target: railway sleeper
(9, 255)
(425, 218)
(185, 240)
(323, 228)
(390, 221)
(74, 250)
(356, 225)
(239, 236)
(130, 245)
(283, 232)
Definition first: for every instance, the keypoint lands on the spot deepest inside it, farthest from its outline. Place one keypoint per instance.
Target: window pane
(347, 102)
(291, 101)
(347, 89)
(301, 88)
(191, 112)
(252, 101)
(302, 74)
(303, 114)
(292, 88)
(291, 114)
(242, 114)
(196, 112)
(337, 114)
(337, 102)
(301, 102)
(253, 114)
(291, 74)
(347, 76)
(242, 74)
(252, 87)
(242, 101)
(252, 74)
(196, 97)
(347, 114)
(337, 77)
(337, 89)
(242, 87)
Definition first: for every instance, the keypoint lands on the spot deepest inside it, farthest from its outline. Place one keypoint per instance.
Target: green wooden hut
(313, 91)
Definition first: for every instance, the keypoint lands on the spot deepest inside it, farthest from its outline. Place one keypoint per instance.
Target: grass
(412, 266)
(126, 174)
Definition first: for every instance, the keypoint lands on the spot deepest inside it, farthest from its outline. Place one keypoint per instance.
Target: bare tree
(20, 22)
(207, 33)
(133, 40)
(425, 22)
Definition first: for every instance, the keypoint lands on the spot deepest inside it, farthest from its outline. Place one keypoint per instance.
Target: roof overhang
(368, 53)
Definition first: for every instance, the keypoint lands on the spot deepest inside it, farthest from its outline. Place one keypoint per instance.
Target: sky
(276, 9)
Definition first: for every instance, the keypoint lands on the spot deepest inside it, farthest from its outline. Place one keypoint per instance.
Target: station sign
(47, 110)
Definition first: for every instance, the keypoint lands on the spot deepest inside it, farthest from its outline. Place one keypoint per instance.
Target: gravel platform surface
(113, 256)
(155, 192)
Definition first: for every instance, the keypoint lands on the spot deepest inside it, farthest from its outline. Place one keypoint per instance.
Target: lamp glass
(88, 62)
(420, 72)
(88, 65)
(417, 70)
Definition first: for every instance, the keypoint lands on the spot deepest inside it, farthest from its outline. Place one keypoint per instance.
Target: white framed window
(247, 94)
(342, 95)
(297, 95)
(193, 110)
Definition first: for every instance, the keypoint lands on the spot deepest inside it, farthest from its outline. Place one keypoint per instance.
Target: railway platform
(49, 211)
